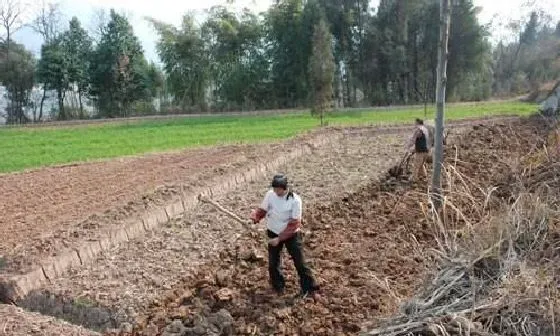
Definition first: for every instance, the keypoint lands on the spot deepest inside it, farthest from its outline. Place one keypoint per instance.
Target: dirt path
(127, 280)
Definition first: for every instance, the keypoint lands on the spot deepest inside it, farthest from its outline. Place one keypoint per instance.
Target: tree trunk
(348, 85)
(81, 105)
(415, 67)
(445, 18)
(42, 103)
(61, 112)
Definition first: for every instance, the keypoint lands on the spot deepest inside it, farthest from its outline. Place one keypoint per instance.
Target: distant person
(430, 126)
(419, 144)
(283, 211)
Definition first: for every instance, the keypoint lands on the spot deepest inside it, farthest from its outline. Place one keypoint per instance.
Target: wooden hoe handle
(229, 213)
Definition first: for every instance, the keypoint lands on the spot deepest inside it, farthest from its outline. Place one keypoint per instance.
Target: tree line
(299, 53)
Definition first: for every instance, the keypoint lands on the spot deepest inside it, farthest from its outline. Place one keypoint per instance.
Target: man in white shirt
(282, 209)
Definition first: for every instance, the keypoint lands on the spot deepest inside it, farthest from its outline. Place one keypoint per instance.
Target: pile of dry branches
(498, 262)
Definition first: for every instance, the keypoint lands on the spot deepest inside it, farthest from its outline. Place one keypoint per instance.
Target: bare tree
(47, 21)
(445, 18)
(11, 20)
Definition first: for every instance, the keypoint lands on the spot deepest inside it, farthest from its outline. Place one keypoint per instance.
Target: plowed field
(204, 274)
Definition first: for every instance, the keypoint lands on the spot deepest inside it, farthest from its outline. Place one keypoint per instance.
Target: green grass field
(24, 148)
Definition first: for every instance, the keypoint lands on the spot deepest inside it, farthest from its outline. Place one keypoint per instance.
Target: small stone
(180, 312)
(206, 292)
(175, 328)
(270, 321)
(157, 282)
(224, 294)
(126, 328)
(185, 297)
(222, 278)
(151, 330)
(223, 321)
(197, 330)
(283, 313)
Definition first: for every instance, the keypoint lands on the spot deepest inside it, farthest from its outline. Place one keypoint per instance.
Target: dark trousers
(295, 249)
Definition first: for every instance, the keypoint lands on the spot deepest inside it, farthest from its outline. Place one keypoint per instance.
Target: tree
(530, 60)
(15, 71)
(117, 68)
(47, 24)
(186, 61)
(239, 64)
(322, 69)
(155, 80)
(445, 18)
(288, 46)
(79, 48)
(53, 70)
(468, 48)
(18, 78)
(529, 35)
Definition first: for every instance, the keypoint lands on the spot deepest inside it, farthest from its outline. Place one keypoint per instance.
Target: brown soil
(364, 248)
(350, 242)
(16, 322)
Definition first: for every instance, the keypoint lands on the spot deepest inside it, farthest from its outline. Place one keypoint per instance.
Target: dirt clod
(222, 278)
(176, 328)
(224, 294)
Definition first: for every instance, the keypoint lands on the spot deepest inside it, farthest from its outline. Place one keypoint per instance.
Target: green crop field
(24, 148)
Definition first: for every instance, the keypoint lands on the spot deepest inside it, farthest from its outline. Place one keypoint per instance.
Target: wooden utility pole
(445, 19)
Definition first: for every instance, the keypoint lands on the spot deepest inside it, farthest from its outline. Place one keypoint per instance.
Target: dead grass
(498, 260)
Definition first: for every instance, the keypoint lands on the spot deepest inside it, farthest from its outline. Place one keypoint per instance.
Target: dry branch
(478, 290)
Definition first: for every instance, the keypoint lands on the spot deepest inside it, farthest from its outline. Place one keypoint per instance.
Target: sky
(171, 11)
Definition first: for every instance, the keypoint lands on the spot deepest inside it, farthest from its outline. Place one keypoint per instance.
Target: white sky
(172, 11)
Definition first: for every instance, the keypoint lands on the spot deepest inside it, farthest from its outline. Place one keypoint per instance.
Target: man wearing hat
(282, 209)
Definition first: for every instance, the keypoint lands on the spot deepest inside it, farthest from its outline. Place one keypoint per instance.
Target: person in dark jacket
(419, 144)
(283, 211)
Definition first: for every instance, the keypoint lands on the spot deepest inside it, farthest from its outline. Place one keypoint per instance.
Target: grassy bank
(24, 148)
